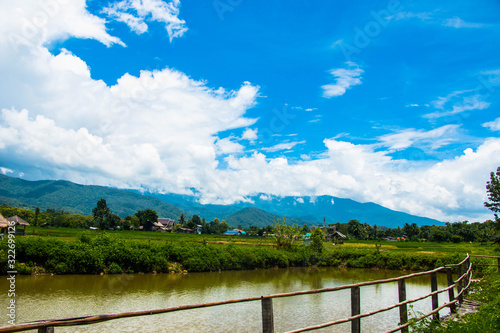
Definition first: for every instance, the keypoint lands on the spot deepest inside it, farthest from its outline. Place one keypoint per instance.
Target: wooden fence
(463, 270)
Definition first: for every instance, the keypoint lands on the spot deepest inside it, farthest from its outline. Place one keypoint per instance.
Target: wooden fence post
(267, 315)
(355, 310)
(403, 309)
(435, 301)
(451, 292)
(459, 288)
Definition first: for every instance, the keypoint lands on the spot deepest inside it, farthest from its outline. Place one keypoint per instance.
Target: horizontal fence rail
(462, 284)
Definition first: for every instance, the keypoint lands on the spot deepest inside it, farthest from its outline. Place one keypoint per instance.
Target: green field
(72, 234)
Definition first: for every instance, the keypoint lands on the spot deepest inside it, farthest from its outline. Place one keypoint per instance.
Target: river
(44, 297)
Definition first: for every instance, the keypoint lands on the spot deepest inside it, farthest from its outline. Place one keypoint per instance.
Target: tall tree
(37, 214)
(147, 218)
(493, 190)
(101, 213)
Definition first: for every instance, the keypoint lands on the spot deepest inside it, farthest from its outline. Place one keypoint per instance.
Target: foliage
(317, 238)
(285, 235)
(487, 319)
(493, 190)
(146, 218)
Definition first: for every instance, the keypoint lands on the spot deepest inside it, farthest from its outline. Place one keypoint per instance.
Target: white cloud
(5, 171)
(158, 130)
(464, 100)
(458, 23)
(299, 200)
(134, 13)
(282, 146)
(227, 146)
(434, 139)
(453, 189)
(250, 135)
(431, 18)
(34, 23)
(493, 125)
(345, 78)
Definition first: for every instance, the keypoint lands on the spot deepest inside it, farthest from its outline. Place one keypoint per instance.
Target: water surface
(45, 297)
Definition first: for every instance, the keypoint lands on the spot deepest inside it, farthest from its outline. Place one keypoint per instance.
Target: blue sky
(394, 102)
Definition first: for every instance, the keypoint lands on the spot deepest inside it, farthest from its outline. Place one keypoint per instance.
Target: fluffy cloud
(443, 190)
(158, 130)
(250, 135)
(345, 78)
(33, 23)
(134, 13)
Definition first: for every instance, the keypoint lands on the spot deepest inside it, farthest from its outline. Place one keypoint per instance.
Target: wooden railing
(464, 271)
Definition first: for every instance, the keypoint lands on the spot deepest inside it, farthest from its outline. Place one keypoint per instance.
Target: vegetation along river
(44, 297)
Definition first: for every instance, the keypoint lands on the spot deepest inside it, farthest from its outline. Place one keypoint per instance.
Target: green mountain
(261, 210)
(310, 210)
(257, 217)
(80, 199)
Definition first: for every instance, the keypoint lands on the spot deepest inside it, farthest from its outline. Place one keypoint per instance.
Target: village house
(20, 224)
(4, 224)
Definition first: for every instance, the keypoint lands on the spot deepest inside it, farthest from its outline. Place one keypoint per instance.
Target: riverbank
(486, 319)
(107, 254)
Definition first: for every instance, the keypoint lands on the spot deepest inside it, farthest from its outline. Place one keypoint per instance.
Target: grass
(486, 320)
(71, 234)
(425, 247)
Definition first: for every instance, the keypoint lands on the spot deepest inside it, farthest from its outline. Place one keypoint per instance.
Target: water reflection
(42, 297)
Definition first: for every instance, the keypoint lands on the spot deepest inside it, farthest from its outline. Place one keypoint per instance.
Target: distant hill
(254, 216)
(310, 210)
(79, 199)
(261, 211)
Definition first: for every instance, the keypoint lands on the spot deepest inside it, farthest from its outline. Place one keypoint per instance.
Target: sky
(393, 102)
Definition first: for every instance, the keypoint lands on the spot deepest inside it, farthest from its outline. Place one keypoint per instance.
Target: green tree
(37, 214)
(356, 229)
(182, 220)
(285, 235)
(411, 231)
(147, 218)
(101, 212)
(493, 190)
(317, 238)
(305, 229)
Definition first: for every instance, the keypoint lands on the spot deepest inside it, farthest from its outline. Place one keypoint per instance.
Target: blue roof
(234, 232)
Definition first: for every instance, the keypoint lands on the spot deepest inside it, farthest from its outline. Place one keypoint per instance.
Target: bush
(114, 268)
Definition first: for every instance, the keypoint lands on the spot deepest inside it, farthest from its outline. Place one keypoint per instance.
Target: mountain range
(260, 210)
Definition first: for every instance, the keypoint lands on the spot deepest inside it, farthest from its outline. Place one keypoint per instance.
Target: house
(234, 232)
(4, 224)
(337, 237)
(20, 224)
(166, 224)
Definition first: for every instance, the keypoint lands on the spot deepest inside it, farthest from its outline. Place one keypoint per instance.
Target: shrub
(114, 268)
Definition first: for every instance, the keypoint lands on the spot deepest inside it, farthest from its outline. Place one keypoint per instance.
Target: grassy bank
(70, 251)
(487, 319)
